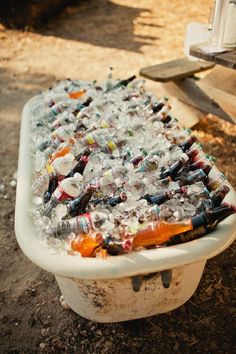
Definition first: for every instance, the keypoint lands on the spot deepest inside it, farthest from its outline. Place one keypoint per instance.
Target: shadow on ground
(95, 22)
(17, 88)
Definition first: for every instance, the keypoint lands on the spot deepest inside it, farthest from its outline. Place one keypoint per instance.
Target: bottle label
(60, 194)
(57, 141)
(90, 139)
(105, 124)
(111, 146)
(84, 223)
(188, 236)
(50, 169)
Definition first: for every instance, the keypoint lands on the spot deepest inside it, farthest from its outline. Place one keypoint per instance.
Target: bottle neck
(188, 143)
(219, 195)
(212, 217)
(219, 214)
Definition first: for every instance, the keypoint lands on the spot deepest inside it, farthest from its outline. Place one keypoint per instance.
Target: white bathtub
(101, 289)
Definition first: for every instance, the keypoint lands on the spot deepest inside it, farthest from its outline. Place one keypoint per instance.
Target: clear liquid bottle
(82, 224)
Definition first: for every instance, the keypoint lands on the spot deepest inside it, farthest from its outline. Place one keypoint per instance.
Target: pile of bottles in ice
(115, 173)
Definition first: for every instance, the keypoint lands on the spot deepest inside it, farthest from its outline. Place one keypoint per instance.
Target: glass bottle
(81, 224)
(160, 232)
(159, 105)
(79, 205)
(219, 195)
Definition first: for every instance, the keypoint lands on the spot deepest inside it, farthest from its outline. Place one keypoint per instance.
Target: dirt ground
(83, 42)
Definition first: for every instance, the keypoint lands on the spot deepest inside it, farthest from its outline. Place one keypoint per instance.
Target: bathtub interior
(141, 262)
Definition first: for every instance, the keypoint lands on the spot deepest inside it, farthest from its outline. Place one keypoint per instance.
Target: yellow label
(105, 124)
(111, 146)
(49, 168)
(90, 139)
(107, 173)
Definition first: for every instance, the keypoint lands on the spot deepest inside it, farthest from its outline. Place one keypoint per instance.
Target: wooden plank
(174, 70)
(187, 115)
(221, 78)
(227, 59)
(195, 51)
(201, 100)
(226, 100)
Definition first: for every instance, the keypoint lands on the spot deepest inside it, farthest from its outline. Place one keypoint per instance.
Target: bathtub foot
(64, 303)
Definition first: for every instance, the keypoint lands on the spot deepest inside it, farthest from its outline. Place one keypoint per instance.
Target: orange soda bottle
(77, 94)
(61, 152)
(85, 245)
(159, 232)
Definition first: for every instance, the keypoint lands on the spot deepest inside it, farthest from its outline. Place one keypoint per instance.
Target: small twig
(194, 342)
(149, 321)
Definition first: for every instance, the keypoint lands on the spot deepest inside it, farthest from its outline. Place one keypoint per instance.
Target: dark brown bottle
(188, 143)
(79, 205)
(159, 198)
(173, 170)
(219, 195)
(53, 182)
(82, 159)
(158, 106)
(190, 235)
(113, 201)
(124, 83)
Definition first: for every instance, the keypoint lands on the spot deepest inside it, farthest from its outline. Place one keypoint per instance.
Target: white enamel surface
(112, 267)
(114, 300)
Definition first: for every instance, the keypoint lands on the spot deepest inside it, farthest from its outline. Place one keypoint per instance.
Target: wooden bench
(178, 77)
(227, 59)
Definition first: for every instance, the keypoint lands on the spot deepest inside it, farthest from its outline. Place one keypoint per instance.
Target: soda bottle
(82, 224)
(160, 232)
(149, 163)
(219, 195)
(190, 235)
(186, 145)
(115, 247)
(113, 201)
(80, 106)
(85, 245)
(56, 109)
(195, 152)
(79, 205)
(159, 198)
(63, 150)
(162, 114)
(216, 182)
(62, 135)
(123, 83)
(82, 159)
(159, 105)
(173, 170)
(67, 189)
(54, 171)
(198, 175)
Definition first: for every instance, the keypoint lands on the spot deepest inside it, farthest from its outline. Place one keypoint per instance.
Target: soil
(83, 42)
